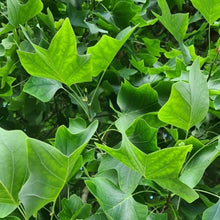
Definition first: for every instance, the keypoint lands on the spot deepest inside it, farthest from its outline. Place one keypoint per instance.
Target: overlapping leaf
(160, 166)
(13, 165)
(74, 208)
(135, 102)
(116, 196)
(20, 13)
(209, 9)
(50, 170)
(106, 49)
(196, 167)
(189, 102)
(61, 61)
(42, 88)
(176, 24)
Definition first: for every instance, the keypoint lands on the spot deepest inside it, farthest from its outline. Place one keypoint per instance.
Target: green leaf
(209, 9)
(42, 88)
(102, 56)
(20, 13)
(176, 24)
(212, 213)
(123, 12)
(217, 102)
(50, 170)
(74, 208)
(128, 179)
(114, 201)
(153, 46)
(13, 168)
(153, 216)
(195, 168)
(61, 61)
(135, 102)
(6, 209)
(189, 102)
(68, 142)
(143, 136)
(6, 89)
(152, 119)
(160, 166)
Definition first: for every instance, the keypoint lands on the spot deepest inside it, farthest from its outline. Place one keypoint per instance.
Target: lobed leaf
(61, 61)
(189, 102)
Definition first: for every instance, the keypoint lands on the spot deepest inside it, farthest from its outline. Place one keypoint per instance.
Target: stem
(22, 212)
(96, 89)
(178, 204)
(75, 96)
(85, 194)
(187, 132)
(209, 37)
(212, 194)
(68, 191)
(185, 52)
(53, 211)
(213, 62)
(167, 202)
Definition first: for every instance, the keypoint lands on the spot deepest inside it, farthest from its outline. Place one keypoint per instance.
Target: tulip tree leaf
(212, 212)
(115, 197)
(143, 136)
(135, 102)
(13, 167)
(123, 12)
(196, 167)
(176, 24)
(61, 61)
(42, 88)
(106, 49)
(50, 170)
(68, 142)
(160, 166)
(74, 208)
(209, 9)
(128, 179)
(20, 13)
(184, 109)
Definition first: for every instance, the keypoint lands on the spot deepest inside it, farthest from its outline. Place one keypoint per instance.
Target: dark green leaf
(74, 208)
(195, 168)
(212, 213)
(42, 88)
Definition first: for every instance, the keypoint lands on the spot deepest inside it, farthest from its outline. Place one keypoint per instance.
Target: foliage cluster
(109, 109)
